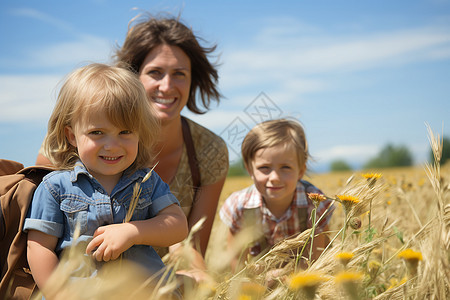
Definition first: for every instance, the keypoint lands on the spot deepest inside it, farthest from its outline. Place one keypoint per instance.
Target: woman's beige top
(212, 156)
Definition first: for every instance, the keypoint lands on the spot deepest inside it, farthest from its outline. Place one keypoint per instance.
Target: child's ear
(249, 170)
(302, 172)
(70, 135)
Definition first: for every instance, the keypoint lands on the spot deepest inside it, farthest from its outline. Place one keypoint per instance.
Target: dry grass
(403, 209)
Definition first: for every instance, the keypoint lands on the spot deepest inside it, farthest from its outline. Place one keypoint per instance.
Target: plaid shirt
(274, 229)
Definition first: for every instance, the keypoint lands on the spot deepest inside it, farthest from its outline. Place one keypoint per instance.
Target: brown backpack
(17, 185)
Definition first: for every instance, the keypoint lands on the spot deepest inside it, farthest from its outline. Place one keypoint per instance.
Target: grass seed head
(355, 223)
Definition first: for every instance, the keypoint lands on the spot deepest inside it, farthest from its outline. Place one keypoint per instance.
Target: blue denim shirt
(65, 198)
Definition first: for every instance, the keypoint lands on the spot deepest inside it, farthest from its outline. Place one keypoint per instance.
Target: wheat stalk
(136, 194)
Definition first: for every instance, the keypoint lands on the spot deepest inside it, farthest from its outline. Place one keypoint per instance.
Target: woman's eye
(179, 74)
(154, 73)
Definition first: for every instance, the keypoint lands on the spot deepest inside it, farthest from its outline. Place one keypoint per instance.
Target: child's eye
(126, 132)
(263, 169)
(95, 132)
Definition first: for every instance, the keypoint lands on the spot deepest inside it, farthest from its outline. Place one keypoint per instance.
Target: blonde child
(101, 136)
(275, 154)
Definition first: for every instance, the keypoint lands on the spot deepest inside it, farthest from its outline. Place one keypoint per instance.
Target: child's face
(104, 149)
(275, 172)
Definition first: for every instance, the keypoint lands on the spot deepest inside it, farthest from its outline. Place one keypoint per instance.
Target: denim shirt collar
(124, 180)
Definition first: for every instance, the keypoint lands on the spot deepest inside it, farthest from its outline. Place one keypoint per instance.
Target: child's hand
(111, 240)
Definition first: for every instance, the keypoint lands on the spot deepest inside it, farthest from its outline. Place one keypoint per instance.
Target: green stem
(344, 230)
(313, 215)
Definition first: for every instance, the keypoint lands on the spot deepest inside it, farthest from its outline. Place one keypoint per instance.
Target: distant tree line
(393, 156)
(390, 156)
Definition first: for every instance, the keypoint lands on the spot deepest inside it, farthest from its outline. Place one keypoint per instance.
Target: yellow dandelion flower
(371, 178)
(350, 280)
(252, 289)
(303, 279)
(316, 198)
(371, 175)
(388, 202)
(344, 257)
(348, 201)
(306, 282)
(348, 198)
(244, 297)
(349, 276)
(410, 255)
(411, 258)
(373, 266)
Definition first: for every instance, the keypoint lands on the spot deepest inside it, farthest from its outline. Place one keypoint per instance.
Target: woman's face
(166, 76)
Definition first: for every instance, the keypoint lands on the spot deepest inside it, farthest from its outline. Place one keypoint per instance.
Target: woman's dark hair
(146, 34)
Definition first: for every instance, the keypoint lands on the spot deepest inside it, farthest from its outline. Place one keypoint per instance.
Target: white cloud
(215, 120)
(87, 49)
(350, 153)
(27, 97)
(274, 59)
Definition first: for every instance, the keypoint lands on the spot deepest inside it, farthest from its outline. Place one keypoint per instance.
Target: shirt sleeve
(231, 212)
(161, 195)
(44, 213)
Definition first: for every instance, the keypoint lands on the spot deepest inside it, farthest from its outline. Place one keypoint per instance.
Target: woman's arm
(205, 206)
(41, 256)
(41, 160)
(165, 229)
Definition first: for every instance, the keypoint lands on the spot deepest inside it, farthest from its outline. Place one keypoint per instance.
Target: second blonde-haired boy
(275, 154)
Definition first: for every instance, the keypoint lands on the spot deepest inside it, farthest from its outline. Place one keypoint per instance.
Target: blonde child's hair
(274, 133)
(115, 91)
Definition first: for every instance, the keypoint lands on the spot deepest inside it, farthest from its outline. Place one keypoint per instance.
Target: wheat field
(390, 239)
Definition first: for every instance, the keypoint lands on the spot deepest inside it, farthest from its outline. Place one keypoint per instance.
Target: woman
(175, 70)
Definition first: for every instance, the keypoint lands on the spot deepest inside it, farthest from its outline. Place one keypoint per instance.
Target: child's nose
(274, 175)
(111, 143)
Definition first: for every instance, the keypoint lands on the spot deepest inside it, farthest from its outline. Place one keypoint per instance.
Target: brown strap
(192, 158)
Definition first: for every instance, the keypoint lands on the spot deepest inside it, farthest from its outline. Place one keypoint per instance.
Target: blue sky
(357, 74)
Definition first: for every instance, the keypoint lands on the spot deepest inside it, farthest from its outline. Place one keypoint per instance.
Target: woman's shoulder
(211, 151)
(203, 136)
